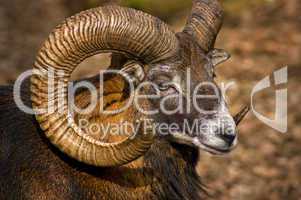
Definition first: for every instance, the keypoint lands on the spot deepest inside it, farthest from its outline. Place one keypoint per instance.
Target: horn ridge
(98, 30)
(204, 22)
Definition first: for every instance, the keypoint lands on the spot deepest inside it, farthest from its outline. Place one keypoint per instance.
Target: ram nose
(228, 138)
(229, 132)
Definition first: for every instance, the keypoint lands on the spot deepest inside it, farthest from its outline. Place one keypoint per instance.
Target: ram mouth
(182, 138)
(216, 151)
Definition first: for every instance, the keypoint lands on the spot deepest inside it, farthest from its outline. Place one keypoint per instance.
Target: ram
(49, 155)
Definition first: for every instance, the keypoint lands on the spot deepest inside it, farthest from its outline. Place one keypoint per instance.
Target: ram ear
(218, 56)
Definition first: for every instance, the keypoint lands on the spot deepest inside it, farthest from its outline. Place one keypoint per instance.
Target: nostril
(229, 138)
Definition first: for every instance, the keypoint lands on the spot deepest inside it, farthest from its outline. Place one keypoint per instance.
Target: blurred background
(261, 35)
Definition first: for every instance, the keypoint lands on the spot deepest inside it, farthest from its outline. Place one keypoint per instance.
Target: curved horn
(205, 22)
(106, 29)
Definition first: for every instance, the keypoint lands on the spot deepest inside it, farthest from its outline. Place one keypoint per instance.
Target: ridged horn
(205, 22)
(104, 29)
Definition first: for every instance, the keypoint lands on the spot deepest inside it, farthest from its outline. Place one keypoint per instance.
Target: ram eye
(164, 86)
